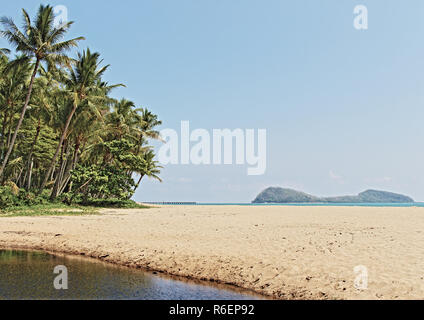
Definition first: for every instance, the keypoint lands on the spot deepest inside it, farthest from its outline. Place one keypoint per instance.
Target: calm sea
(395, 205)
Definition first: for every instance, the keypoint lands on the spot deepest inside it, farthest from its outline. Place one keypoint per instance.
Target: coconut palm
(15, 75)
(41, 112)
(148, 122)
(122, 120)
(85, 130)
(84, 89)
(40, 41)
(68, 118)
(151, 168)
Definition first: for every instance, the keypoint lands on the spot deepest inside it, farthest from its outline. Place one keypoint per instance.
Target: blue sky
(343, 108)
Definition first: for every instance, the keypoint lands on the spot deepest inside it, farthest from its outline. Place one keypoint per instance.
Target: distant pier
(172, 203)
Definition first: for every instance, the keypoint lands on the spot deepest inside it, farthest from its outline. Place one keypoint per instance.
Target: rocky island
(281, 195)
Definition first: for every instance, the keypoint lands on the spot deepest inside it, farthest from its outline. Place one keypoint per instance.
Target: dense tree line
(61, 133)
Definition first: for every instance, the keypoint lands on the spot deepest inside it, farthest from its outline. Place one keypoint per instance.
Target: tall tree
(40, 41)
(85, 89)
(15, 75)
(41, 112)
(151, 168)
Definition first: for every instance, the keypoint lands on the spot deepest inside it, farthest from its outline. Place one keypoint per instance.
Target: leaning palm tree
(14, 75)
(122, 120)
(147, 124)
(41, 41)
(85, 89)
(40, 112)
(151, 168)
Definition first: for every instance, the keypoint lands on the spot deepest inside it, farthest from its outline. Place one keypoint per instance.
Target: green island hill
(281, 195)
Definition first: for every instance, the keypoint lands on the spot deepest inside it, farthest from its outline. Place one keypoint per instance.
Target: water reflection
(29, 275)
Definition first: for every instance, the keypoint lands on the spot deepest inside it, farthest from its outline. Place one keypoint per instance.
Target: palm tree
(135, 124)
(121, 120)
(86, 129)
(148, 122)
(151, 168)
(85, 89)
(15, 75)
(40, 110)
(146, 126)
(40, 41)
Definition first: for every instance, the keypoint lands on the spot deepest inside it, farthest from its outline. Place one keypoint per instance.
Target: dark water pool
(30, 275)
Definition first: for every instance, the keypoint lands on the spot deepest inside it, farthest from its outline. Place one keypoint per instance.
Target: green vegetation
(115, 203)
(280, 195)
(55, 209)
(63, 138)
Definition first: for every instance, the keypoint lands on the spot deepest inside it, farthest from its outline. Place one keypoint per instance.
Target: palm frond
(65, 45)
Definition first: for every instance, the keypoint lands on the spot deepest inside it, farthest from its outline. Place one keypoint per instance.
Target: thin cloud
(335, 176)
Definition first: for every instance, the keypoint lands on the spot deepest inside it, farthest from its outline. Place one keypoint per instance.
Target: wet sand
(283, 252)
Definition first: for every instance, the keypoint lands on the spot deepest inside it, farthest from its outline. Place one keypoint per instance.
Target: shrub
(7, 197)
(13, 187)
(112, 203)
(101, 182)
(14, 197)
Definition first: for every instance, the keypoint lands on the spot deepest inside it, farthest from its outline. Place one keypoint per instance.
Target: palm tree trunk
(138, 183)
(70, 166)
(21, 119)
(19, 178)
(58, 173)
(62, 138)
(61, 170)
(9, 131)
(74, 164)
(30, 175)
(136, 186)
(3, 132)
(32, 150)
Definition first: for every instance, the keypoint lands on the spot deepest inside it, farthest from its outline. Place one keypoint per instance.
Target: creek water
(26, 275)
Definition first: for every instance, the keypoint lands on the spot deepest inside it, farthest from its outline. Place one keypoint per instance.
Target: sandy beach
(283, 252)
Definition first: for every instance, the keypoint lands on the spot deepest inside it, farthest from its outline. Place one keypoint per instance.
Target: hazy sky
(343, 108)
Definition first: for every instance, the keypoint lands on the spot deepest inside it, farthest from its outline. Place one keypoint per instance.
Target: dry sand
(284, 252)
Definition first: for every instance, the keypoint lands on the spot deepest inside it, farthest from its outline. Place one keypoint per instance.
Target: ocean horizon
(371, 205)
